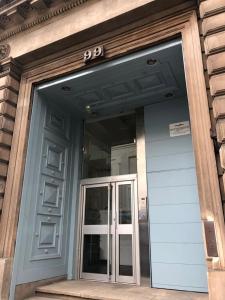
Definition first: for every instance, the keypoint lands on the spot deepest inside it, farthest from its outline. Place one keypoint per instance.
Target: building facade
(112, 151)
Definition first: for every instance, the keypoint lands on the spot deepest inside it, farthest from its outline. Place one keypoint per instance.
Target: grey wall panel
(177, 251)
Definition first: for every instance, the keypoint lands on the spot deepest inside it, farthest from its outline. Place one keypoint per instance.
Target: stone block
(217, 84)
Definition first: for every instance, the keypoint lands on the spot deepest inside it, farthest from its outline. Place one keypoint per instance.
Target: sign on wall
(178, 129)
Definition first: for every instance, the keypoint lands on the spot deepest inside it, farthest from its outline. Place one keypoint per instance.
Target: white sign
(181, 128)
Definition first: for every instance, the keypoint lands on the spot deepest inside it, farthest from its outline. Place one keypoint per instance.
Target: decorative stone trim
(51, 14)
(4, 51)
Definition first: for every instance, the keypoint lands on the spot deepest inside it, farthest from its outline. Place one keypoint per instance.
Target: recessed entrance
(109, 210)
(136, 177)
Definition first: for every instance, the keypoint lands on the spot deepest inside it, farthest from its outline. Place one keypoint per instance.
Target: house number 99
(93, 53)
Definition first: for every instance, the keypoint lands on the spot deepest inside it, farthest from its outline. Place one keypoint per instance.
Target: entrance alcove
(86, 136)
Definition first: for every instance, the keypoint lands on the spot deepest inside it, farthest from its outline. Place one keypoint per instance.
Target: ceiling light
(88, 108)
(151, 61)
(66, 88)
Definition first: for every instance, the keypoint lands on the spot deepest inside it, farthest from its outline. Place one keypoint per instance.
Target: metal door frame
(95, 228)
(107, 181)
(122, 229)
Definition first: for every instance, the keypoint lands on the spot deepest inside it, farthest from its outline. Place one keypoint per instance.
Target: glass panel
(125, 215)
(95, 251)
(110, 152)
(96, 206)
(125, 255)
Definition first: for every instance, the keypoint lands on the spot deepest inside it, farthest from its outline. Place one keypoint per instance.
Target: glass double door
(108, 246)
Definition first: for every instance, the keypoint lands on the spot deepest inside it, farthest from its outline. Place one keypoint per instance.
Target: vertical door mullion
(82, 230)
(113, 232)
(116, 232)
(108, 232)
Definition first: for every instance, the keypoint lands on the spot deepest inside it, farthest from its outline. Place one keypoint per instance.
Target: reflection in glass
(95, 253)
(125, 255)
(110, 147)
(125, 216)
(96, 206)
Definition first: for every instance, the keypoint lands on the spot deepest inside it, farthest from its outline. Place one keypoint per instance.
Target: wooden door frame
(140, 37)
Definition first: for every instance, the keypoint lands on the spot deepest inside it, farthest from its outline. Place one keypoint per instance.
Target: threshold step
(53, 297)
(84, 290)
(41, 298)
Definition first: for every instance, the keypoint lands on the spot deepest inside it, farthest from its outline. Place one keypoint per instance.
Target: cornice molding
(41, 19)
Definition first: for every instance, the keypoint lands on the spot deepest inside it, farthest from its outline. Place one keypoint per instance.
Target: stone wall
(212, 28)
(9, 87)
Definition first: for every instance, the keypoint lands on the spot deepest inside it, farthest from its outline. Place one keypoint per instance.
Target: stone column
(212, 28)
(9, 86)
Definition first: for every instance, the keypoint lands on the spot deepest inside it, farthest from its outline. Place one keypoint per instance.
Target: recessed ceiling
(136, 80)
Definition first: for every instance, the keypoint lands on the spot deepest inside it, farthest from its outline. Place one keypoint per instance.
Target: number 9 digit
(97, 51)
(87, 55)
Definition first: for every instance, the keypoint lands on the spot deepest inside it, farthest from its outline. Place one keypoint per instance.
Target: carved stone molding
(11, 67)
(4, 51)
(67, 6)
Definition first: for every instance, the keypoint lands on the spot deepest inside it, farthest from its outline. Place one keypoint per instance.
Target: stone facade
(212, 25)
(24, 20)
(9, 82)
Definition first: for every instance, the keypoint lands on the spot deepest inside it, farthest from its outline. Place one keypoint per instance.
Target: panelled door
(108, 243)
(42, 239)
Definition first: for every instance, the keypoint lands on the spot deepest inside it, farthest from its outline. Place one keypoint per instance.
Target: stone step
(58, 296)
(53, 297)
(86, 290)
(40, 298)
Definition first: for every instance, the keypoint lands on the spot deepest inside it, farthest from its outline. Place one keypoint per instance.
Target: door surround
(142, 36)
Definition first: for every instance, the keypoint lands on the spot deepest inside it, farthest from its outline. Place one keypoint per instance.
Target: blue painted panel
(158, 147)
(184, 212)
(46, 196)
(162, 117)
(186, 253)
(177, 251)
(166, 162)
(165, 195)
(180, 276)
(173, 177)
(176, 233)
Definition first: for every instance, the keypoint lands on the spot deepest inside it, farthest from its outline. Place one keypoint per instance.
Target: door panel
(125, 255)
(125, 242)
(41, 250)
(177, 251)
(95, 232)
